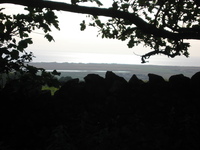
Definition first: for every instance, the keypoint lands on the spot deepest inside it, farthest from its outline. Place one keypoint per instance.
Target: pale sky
(73, 45)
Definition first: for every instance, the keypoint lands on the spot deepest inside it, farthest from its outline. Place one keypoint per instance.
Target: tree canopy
(162, 25)
(15, 37)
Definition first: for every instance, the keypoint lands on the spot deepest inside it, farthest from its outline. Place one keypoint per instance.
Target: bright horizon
(73, 45)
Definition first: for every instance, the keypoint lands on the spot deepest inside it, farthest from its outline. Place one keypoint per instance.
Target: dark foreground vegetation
(103, 113)
(100, 113)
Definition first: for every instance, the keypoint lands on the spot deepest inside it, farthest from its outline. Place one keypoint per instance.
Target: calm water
(142, 74)
(82, 73)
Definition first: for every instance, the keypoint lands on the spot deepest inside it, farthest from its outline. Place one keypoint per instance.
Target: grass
(52, 89)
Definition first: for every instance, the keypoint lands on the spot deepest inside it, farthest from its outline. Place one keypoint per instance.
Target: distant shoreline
(66, 65)
(165, 71)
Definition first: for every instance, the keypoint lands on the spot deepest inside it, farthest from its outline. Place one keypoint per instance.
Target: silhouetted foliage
(14, 39)
(100, 113)
(159, 24)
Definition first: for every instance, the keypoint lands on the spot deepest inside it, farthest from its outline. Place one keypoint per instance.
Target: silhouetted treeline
(104, 113)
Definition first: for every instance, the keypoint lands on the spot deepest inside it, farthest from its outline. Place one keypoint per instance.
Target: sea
(80, 74)
(80, 70)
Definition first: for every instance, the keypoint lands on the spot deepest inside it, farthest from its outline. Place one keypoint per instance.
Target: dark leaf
(24, 44)
(83, 26)
(49, 37)
(14, 54)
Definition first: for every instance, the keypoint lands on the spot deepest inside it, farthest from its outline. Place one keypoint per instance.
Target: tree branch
(134, 18)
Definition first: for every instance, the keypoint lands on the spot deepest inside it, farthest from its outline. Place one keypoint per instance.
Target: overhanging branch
(134, 18)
